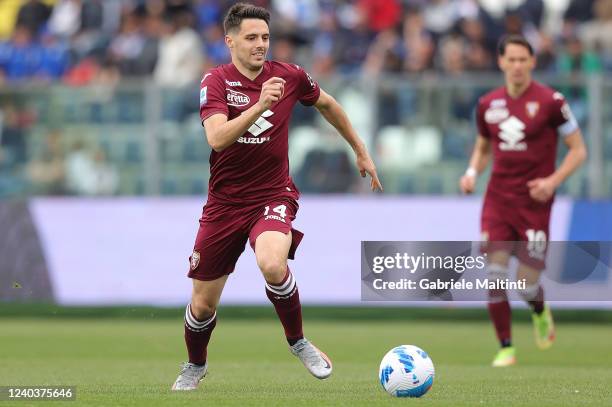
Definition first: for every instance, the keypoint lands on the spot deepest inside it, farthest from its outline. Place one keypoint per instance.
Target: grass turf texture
(123, 361)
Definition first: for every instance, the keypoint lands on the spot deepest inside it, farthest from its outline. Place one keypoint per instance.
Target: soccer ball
(406, 371)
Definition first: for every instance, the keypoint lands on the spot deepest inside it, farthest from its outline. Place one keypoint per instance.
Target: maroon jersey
(256, 167)
(523, 134)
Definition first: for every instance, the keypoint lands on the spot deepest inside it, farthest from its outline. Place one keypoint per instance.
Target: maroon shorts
(224, 231)
(519, 230)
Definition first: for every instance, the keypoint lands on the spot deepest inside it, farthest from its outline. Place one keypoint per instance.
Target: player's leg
(532, 256)
(200, 321)
(274, 241)
(533, 293)
(217, 249)
(271, 251)
(500, 312)
(499, 236)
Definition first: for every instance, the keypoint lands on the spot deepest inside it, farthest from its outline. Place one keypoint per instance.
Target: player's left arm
(561, 118)
(331, 110)
(542, 189)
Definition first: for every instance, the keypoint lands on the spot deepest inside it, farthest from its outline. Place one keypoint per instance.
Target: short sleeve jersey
(256, 166)
(524, 133)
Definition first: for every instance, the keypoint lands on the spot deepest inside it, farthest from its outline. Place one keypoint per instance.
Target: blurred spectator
(575, 59)
(351, 45)
(323, 45)
(65, 18)
(515, 24)
(23, 58)
(532, 12)
(385, 54)
(105, 177)
(90, 174)
(215, 50)
(20, 57)
(579, 11)
(33, 15)
(597, 34)
(55, 58)
(12, 136)
(440, 16)
(546, 56)
(283, 49)
(418, 42)
(45, 170)
(131, 50)
(343, 37)
(208, 13)
(451, 59)
(179, 64)
(297, 14)
(90, 40)
(380, 15)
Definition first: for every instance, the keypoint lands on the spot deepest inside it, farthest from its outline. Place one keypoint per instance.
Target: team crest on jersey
(532, 108)
(495, 115)
(237, 99)
(195, 260)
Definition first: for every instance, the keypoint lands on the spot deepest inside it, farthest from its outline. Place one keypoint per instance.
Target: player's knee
(529, 292)
(497, 272)
(273, 269)
(202, 309)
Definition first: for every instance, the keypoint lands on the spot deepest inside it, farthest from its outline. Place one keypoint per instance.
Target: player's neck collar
(520, 95)
(259, 79)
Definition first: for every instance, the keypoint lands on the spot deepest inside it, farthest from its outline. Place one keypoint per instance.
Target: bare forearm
(480, 160)
(336, 116)
(226, 134)
(573, 159)
(481, 156)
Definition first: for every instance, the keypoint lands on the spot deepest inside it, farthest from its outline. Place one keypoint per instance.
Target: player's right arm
(222, 133)
(481, 154)
(478, 162)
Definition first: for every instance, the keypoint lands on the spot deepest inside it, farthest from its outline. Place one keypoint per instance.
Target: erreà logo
(236, 98)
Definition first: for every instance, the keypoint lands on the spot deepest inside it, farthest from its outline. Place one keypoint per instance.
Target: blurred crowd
(173, 41)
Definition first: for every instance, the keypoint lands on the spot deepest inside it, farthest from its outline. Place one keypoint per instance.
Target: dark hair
(240, 11)
(513, 39)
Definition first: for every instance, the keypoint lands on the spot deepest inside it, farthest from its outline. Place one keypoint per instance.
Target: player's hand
(272, 91)
(541, 189)
(366, 166)
(467, 184)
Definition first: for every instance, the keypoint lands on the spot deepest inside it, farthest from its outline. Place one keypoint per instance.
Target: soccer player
(245, 107)
(518, 126)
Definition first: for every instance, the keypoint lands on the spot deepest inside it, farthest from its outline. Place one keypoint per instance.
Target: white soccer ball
(406, 371)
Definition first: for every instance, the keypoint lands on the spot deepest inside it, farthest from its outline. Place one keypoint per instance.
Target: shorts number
(537, 240)
(280, 209)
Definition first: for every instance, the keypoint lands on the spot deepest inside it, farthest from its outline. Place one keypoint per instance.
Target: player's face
(250, 44)
(516, 64)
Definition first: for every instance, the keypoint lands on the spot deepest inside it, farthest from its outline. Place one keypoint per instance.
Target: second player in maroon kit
(519, 126)
(245, 107)
(523, 132)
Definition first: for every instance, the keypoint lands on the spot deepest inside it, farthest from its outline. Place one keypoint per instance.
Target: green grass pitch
(134, 361)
